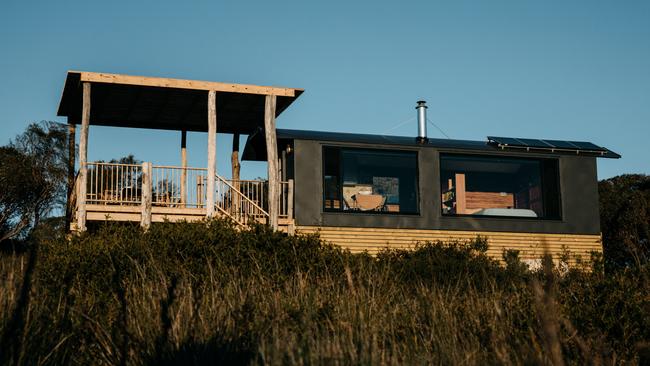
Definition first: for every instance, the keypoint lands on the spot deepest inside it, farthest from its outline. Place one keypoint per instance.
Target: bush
(625, 220)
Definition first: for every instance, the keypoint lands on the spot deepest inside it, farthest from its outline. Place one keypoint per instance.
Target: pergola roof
(169, 104)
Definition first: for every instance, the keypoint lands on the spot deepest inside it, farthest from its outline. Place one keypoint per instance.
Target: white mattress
(517, 212)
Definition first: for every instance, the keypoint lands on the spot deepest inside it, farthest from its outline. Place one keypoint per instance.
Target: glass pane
(331, 187)
(363, 180)
(499, 186)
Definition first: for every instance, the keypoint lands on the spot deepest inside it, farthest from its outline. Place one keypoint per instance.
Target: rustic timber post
(71, 174)
(283, 165)
(272, 160)
(212, 152)
(147, 190)
(234, 162)
(291, 227)
(184, 168)
(83, 158)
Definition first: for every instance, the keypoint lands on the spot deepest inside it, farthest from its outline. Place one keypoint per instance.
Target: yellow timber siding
(530, 245)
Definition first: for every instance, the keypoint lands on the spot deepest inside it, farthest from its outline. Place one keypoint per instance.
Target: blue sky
(575, 70)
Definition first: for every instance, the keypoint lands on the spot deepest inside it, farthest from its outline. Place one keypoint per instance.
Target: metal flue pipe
(422, 122)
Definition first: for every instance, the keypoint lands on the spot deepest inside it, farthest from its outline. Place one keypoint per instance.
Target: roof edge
(100, 77)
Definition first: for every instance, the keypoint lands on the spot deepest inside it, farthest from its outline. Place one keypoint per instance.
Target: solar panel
(505, 141)
(547, 145)
(562, 144)
(587, 146)
(534, 143)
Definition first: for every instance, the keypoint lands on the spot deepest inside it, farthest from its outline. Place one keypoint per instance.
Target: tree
(625, 219)
(33, 171)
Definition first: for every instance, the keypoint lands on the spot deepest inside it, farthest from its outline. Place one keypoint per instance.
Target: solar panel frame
(550, 145)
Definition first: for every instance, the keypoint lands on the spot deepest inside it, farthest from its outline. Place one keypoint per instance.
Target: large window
(363, 180)
(499, 186)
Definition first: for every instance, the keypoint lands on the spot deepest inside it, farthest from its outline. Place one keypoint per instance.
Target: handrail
(242, 194)
(178, 167)
(111, 164)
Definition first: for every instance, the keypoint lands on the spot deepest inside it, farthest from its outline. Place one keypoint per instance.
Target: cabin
(360, 191)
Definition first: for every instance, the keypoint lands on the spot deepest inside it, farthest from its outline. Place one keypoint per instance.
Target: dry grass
(197, 295)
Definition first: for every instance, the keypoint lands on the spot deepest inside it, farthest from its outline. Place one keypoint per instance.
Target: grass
(198, 294)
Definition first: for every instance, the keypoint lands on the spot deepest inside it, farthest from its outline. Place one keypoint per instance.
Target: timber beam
(96, 77)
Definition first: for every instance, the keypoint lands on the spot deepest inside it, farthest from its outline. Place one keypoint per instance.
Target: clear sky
(574, 70)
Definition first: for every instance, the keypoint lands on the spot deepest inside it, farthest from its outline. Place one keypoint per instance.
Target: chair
(350, 190)
(369, 202)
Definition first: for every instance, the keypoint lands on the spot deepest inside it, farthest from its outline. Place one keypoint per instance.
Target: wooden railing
(178, 187)
(286, 199)
(244, 201)
(114, 183)
(255, 190)
(258, 191)
(237, 205)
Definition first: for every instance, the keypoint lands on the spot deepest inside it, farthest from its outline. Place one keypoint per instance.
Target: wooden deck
(147, 193)
(109, 212)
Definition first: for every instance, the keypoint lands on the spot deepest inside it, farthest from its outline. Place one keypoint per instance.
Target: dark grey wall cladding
(578, 180)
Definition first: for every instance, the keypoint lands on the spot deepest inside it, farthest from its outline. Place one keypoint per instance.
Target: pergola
(102, 99)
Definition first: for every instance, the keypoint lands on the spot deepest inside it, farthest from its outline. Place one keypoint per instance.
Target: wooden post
(236, 166)
(461, 197)
(272, 160)
(145, 219)
(283, 165)
(234, 162)
(184, 166)
(70, 210)
(200, 189)
(83, 158)
(291, 227)
(212, 152)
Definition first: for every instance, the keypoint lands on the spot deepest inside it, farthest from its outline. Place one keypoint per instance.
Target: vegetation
(206, 293)
(33, 168)
(625, 220)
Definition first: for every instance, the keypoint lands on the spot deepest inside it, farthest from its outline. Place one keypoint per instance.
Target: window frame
(340, 149)
(558, 181)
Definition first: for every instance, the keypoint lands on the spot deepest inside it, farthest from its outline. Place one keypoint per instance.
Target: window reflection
(499, 186)
(369, 180)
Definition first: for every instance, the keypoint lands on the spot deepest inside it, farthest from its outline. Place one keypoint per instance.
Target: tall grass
(196, 294)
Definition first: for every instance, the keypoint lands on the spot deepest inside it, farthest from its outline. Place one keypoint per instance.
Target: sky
(569, 70)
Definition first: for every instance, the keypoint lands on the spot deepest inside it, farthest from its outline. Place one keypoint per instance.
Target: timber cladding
(531, 246)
